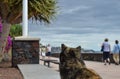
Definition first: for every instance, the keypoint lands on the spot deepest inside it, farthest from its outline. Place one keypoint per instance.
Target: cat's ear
(79, 47)
(63, 46)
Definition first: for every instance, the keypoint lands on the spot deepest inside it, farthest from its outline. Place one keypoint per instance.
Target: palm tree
(11, 13)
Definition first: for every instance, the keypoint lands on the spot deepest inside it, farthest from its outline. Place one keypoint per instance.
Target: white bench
(48, 61)
(37, 71)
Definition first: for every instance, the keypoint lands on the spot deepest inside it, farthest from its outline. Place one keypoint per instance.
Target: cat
(72, 66)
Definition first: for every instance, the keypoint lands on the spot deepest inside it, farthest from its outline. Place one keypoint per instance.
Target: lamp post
(25, 18)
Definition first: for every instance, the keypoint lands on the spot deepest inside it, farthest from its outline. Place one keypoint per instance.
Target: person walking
(116, 51)
(106, 51)
(48, 51)
(43, 52)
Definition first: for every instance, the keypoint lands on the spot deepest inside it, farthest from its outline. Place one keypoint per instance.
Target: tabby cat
(72, 66)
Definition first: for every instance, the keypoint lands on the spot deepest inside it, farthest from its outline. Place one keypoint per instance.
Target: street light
(25, 18)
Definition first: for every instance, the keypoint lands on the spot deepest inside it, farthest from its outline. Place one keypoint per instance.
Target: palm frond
(42, 10)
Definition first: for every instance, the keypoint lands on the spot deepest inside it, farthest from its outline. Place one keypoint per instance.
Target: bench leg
(44, 62)
(48, 63)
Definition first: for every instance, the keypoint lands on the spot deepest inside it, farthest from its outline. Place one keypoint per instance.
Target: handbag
(102, 48)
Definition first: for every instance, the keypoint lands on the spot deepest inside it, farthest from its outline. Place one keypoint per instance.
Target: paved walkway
(34, 71)
(105, 71)
(111, 71)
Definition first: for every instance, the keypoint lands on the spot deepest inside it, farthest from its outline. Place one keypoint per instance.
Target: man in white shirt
(48, 51)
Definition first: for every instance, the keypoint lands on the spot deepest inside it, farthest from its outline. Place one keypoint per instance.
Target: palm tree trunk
(3, 39)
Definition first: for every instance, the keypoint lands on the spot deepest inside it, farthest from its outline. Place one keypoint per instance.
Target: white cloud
(74, 9)
(90, 23)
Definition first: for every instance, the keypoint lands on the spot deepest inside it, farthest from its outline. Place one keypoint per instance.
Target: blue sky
(81, 22)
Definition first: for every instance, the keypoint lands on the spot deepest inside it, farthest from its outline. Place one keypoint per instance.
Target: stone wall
(89, 56)
(25, 51)
(95, 57)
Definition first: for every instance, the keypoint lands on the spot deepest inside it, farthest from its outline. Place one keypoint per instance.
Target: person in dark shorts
(48, 51)
(106, 51)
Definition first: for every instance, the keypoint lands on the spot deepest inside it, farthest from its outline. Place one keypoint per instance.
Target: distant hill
(58, 50)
